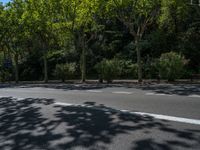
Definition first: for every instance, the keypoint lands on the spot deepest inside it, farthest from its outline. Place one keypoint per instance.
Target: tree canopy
(37, 36)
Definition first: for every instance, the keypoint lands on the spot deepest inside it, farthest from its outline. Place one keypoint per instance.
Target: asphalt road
(99, 117)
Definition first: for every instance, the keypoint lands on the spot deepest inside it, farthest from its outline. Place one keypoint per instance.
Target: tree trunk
(16, 59)
(138, 60)
(45, 67)
(3, 73)
(83, 66)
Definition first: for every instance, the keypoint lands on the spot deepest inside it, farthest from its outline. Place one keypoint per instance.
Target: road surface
(99, 117)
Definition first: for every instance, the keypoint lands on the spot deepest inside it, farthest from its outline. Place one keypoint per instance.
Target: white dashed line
(74, 105)
(122, 92)
(94, 91)
(155, 94)
(150, 94)
(156, 116)
(20, 99)
(161, 94)
(194, 96)
(63, 104)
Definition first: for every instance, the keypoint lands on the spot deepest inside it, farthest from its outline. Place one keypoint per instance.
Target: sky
(4, 1)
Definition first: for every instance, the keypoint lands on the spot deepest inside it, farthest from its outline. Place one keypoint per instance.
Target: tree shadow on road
(183, 90)
(170, 89)
(39, 124)
(62, 86)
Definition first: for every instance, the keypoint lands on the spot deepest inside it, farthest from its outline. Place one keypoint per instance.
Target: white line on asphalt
(156, 116)
(170, 118)
(122, 92)
(161, 94)
(150, 94)
(20, 99)
(94, 91)
(64, 104)
(75, 105)
(155, 94)
(194, 96)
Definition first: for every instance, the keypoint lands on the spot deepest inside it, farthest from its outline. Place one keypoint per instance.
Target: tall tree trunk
(45, 67)
(3, 73)
(16, 59)
(83, 65)
(139, 62)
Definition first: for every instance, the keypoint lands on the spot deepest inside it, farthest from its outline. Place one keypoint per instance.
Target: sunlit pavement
(100, 117)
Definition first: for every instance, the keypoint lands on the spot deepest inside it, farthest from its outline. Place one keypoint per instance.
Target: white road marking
(170, 118)
(155, 94)
(94, 91)
(124, 110)
(74, 105)
(194, 96)
(122, 92)
(20, 99)
(156, 116)
(150, 94)
(64, 104)
(161, 94)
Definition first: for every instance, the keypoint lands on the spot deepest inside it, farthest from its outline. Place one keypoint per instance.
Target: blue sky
(4, 1)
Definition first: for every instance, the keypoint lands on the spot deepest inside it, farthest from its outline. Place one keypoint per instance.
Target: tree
(37, 35)
(173, 13)
(14, 32)
(86, 28)
(39, 14)
(137, 16)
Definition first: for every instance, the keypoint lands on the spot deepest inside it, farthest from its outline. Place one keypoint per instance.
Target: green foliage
(5, 73)
(171, 65)
(172, 13)
(109, 69)
(130, 30)
(65, 71)
(128, 69)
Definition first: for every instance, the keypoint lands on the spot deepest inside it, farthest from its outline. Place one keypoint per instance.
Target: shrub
(133, 68)
(171, 66)
(151, 69)
(109, 69)
(65, 71)
(5, 70)
(128, 69)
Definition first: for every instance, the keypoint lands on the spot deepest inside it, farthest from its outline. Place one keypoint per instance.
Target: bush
(65, 71)
(5, 71)
(5, 75)
(109, 69)
(151, 69)
(133, 68)
(171, 66)
(128, 69)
